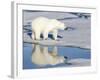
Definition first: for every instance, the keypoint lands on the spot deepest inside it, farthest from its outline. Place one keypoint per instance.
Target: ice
(78, 34)
(80, 62)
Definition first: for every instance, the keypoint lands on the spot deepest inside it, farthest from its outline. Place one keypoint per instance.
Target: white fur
(43, 25)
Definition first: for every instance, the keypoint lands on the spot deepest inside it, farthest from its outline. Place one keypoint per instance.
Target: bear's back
(40, 21)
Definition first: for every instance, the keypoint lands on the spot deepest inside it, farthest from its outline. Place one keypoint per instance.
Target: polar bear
(43, 25)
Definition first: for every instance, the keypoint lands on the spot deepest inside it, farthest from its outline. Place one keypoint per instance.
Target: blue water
(67, 52)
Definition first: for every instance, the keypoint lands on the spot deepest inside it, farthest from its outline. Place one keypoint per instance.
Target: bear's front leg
(45, 35)
(54, 33)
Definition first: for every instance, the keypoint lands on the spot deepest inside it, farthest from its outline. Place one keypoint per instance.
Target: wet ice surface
(36, 57)
(73, 43)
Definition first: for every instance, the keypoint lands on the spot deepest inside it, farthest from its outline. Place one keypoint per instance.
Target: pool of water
(37, 56)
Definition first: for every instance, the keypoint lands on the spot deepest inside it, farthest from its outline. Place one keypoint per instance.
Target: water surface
(37, 56)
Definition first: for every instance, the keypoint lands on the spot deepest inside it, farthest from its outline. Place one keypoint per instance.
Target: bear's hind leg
(45, 35)
(54, 33)
(33, 37)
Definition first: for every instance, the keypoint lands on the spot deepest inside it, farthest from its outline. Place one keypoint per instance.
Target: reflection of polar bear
(42, 25)
(41, 56)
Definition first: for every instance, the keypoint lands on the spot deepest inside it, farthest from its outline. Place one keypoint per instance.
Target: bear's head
(58, 24)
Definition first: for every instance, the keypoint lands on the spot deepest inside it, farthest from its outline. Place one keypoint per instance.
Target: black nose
(65, 57)
(66, 28)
